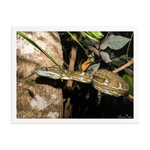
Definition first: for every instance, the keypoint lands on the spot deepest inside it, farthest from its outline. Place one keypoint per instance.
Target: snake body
(102, 80)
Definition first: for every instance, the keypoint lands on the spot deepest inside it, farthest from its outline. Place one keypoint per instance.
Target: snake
(102, 80)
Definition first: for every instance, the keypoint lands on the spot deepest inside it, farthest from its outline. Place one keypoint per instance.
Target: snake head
(48, 72)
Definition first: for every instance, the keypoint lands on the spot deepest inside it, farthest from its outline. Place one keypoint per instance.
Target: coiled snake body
(102, 80)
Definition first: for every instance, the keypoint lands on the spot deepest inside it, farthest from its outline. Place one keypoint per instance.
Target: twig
(124, 66)
(68, 107)
(106, 36)
(126, 34)
(129, 46)
(130, 97)
(72, 58)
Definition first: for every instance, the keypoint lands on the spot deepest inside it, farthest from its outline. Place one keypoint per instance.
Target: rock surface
(45, 99)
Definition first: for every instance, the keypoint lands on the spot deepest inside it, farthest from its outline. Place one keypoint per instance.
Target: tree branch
(73, 54)
(124, 66)
(130, 97)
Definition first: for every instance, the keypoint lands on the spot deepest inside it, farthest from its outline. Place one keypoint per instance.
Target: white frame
(136, 28)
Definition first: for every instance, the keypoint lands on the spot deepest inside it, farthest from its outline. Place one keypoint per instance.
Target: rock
(46, 98)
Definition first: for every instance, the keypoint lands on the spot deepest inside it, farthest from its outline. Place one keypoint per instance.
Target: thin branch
(130, 97)
(73, 54)
(129, 46)
(68, 107)
(124, 66)
(106, 36)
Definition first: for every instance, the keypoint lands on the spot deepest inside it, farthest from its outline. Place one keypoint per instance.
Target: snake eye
(46, 69)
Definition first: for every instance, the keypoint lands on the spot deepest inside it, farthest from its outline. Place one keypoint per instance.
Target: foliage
(111, 52)
(103, 48)
(89, 36)
(129, 81)
(92, 36)
(117, 42)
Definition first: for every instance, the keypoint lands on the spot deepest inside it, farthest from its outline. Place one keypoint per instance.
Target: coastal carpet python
(102, 80)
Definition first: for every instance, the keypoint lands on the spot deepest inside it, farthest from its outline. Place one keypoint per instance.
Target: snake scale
(102, 80)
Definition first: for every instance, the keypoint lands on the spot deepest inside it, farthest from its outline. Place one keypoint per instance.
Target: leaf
(104, 45)
(92, 59)
(86, 64)
(100, 33)
(105, 57)
(93, 68)
(92, 37)
(88, 37)
(116, 59)
(97, 45)
(124, 57)
(130, 83)
(94, 34)
(90, 56)
(93, 49)
(87, 43)
(117, 42)
(128, 71)
(29, 81)
(24, 79)
(118, 63)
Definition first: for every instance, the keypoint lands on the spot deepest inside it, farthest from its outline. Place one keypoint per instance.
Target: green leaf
(37, 46)
(88, 37)
(94, 34)
(30, 81)
(117, 42)
(130, 83)
(90, 55)
(118, 63)
(91, 40)
(124, 57)
(24, 79)
(100, 33)
(112, 67)
(92, 59)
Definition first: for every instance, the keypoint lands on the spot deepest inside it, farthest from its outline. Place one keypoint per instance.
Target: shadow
(30, 93)
(48, 81)
(23, 59)
(41, 38)
(54, 36)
